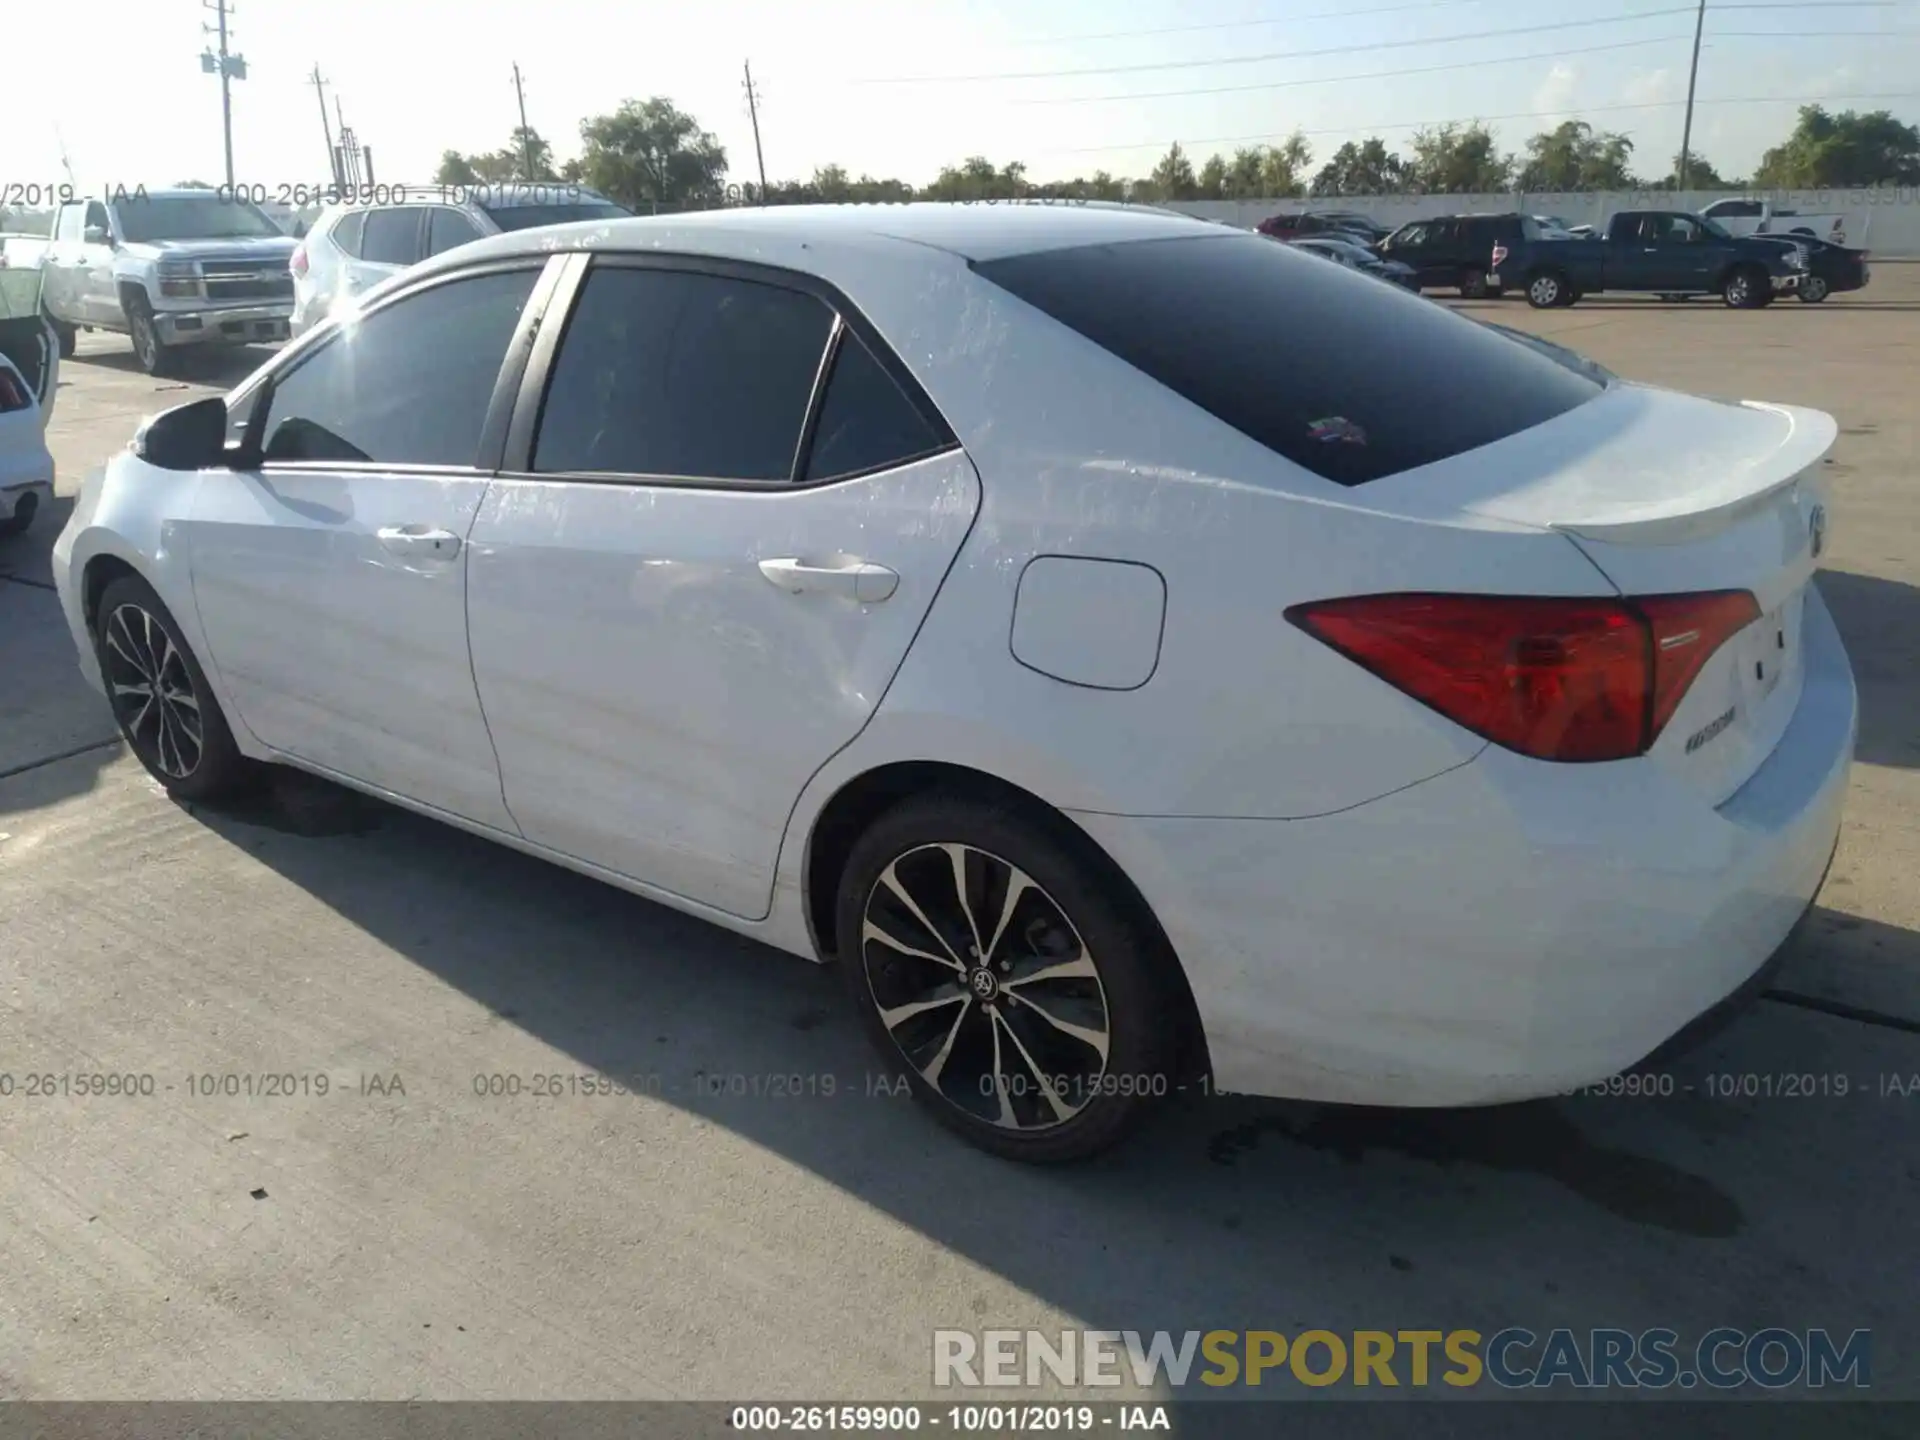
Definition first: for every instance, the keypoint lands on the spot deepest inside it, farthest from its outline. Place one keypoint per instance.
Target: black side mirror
(187, 437)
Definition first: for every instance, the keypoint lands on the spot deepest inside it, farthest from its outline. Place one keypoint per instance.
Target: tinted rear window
(1350, 378)
(527, 217)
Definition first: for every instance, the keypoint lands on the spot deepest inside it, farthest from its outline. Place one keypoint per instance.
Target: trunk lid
(1668, 493)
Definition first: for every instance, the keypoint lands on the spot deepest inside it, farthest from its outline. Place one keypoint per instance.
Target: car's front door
(331, 583)
(60, 278)
(1671, 252)
(99, 291)
(704, 569)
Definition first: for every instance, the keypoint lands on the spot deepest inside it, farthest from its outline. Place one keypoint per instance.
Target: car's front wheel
(153, 353)
(1747, 288)
(1023, 999)
(161, 700)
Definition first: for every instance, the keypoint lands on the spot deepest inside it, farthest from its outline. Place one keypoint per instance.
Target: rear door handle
(856, 579)
(419, 542)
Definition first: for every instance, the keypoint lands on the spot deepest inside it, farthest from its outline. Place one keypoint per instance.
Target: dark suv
(1456, 251)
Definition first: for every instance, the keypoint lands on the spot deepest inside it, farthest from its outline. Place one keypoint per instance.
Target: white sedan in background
(29, 384)
(994, 601)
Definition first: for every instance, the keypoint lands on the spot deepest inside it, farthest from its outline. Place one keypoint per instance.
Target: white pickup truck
(1760, 217)
(171, 269)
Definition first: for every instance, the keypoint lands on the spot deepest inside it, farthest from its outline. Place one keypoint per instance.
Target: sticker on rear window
(1337, 430)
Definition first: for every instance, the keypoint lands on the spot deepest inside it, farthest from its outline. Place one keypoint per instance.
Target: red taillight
(1557, 679)
(1499, 255)
(298, 264)
(14, 394)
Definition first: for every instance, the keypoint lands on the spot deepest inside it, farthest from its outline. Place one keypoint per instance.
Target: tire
(18, 523)
(137, 639)
(1063, 914)
(1813, 290)
(1746, 288)
(1473, 283)
(148, 348)
(66, 335)
(1548, 290)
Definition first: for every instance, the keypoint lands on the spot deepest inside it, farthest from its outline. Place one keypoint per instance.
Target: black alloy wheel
(998, 972)
(160, 697)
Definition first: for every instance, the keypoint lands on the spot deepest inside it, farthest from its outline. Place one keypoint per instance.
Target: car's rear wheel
(66, 335)
(1022, 999)
(160, 697)
(24, 509)
(1813, 290)
(1547, 291)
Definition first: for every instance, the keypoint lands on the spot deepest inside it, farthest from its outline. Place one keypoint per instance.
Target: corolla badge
(1817, 529)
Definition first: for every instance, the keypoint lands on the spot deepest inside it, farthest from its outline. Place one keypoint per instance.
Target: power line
(1217, 25)
(1271, 136)
(1474, 64)
(1278, 54)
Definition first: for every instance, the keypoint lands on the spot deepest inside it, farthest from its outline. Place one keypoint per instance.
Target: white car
(353, 246)
(29, 382)
(995, 601)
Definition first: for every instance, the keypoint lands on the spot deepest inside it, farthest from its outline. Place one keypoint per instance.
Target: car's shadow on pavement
(1880, 622)
(1677, 1206)
(217, 365)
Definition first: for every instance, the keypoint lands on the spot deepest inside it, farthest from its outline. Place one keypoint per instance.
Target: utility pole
(228, 67)
(333, 160)
(526, 135)
(753, 110)
(1693, 78)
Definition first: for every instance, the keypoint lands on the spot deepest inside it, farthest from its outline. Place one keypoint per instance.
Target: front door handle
(856, 579)
(419, 542)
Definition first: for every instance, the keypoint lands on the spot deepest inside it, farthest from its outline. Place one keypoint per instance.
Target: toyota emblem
(1817, 529)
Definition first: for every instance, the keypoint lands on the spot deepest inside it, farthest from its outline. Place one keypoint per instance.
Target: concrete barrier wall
(1885, 221)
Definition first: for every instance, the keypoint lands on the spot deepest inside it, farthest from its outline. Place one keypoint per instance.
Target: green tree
(1700, 176)
(1173, 177)
(1458, 160)
(455, 169)
(531, 155)
(1575, 156)
(1213, 179)
(1847, 149)
(650, 153)
(1365, 168)
(977, 178)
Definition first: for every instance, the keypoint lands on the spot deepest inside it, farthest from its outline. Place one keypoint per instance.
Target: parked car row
(176, 269)
(1673, 254)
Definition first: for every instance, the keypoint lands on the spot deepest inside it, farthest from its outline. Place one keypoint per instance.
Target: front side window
(97, 216)
(1409, 383)
(408, 384)
(674, 373)
(146, 219)
(391, 237)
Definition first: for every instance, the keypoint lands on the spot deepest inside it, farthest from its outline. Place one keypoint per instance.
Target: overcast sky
(419, 76)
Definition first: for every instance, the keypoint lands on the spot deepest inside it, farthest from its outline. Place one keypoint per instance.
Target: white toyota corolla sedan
(1141, 655)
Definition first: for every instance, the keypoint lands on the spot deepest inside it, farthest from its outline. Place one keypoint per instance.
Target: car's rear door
(699, 573)
(331, 583)
(391, 239)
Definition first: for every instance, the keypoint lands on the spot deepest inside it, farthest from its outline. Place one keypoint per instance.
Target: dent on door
(664, 667)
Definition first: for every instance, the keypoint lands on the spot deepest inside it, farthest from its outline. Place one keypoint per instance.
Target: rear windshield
(1347, 376)
(526, 217)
